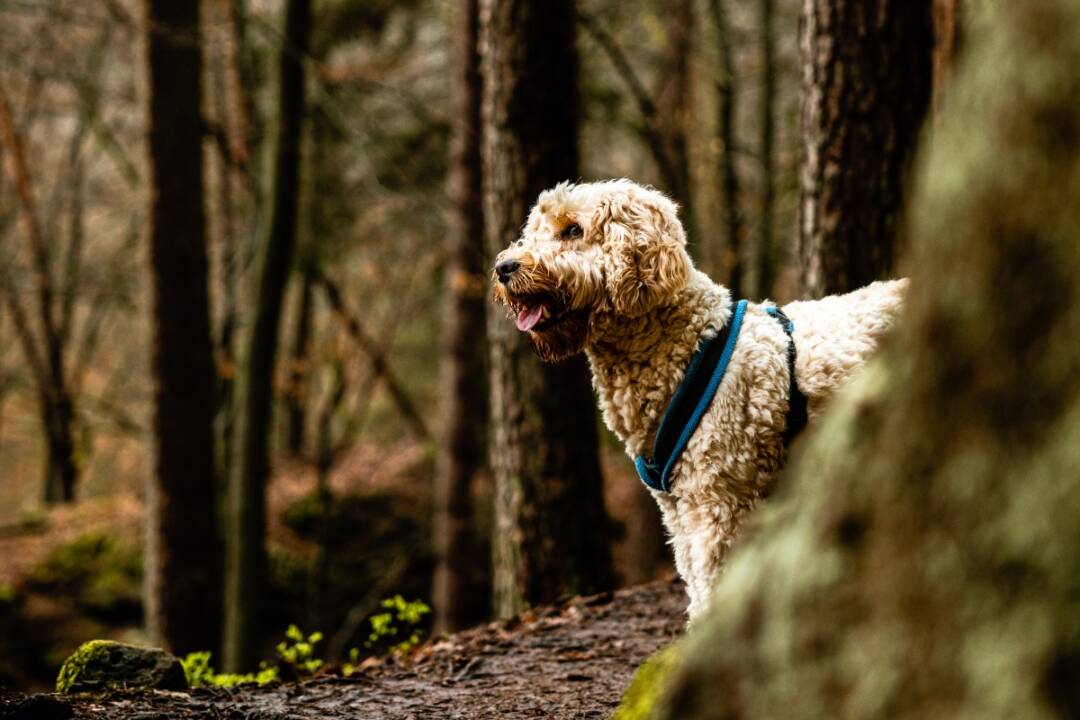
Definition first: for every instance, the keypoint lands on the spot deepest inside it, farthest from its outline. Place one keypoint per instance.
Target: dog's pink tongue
(527, 318)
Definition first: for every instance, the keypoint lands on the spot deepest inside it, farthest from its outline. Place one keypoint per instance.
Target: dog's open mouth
(536, 313)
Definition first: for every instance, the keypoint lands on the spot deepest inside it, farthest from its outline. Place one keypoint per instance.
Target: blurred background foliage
(349, 503)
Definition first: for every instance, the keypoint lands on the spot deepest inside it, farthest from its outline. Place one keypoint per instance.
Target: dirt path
(567, 661)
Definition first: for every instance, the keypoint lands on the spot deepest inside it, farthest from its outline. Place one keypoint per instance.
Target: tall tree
(45, 350)
(923, 560)
(726, 98)
(551, 533)
(246, 556)
(235, 199)
(185, 571)
(56, 347)
(675, 99)
(767, 250)
(866, 92)
(464, 388)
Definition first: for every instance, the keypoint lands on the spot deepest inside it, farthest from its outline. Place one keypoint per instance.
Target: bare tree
(455, 593)
(866, 92)
(44, 349)
(246, 557)
(184, 565)
(551, 534)
(56, 349)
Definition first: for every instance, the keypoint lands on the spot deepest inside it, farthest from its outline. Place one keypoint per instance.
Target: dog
(602, 268)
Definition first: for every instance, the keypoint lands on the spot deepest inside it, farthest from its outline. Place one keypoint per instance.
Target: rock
(103, 664)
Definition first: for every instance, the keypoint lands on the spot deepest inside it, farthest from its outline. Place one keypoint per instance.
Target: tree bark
(726, 98)
(866, 91)
(767, 251)
(922, 560)
(184, 572)
(246, 558)
(235, 200)
(675, 100)
(948, 35)
(456, 594)
(551, 530)
(296, 397)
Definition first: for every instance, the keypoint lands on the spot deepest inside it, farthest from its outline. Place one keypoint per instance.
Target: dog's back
(835, 335)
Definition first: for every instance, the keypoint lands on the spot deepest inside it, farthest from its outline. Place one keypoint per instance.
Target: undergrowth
(296, 655)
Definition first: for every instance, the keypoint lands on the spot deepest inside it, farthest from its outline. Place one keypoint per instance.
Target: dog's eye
(571, 232)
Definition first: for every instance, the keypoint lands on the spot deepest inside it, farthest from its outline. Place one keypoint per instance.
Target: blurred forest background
(243, 291)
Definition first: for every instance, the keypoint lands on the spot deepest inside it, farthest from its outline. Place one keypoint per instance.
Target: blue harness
(696, 391)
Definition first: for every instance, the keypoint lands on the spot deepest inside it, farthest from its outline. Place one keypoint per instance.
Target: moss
(103, 664)
(644, 691)
(102, 575)
(75, 665)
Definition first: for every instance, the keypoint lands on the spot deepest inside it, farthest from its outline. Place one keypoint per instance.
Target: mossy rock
(103, 664)
(640, 698)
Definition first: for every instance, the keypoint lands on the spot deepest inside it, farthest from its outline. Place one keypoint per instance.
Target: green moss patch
(104, 664)
(640, 698)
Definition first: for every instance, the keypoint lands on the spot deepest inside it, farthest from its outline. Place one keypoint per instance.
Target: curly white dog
(697, 386)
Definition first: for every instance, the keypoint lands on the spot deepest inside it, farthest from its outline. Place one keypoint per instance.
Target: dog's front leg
(702, 531)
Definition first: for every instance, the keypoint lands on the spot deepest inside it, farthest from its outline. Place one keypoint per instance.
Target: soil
(571, 660)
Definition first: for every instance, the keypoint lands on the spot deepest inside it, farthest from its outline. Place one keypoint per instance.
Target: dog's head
(590, 251)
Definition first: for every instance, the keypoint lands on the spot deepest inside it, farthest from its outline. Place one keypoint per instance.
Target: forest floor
(570, 660)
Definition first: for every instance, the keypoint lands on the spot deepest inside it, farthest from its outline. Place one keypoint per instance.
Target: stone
(104, 664)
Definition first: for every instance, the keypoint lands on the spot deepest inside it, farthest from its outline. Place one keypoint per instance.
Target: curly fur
(621, 287)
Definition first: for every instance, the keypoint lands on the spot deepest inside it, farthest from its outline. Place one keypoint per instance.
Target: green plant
(8, 595)
(400, 620)
(295, 658)
(200, 673)
(349, 667)
(299, 654)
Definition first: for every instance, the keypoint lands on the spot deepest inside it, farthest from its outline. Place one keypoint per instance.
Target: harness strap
(689, 403)
(797, 413)
(694, 394)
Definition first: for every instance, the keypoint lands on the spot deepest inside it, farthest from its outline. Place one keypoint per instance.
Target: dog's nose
(506, 269)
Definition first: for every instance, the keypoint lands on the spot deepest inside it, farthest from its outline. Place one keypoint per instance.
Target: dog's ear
(644, 246)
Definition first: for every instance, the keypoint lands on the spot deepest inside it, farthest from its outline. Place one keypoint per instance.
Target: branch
(646, 106)
(20, 177)
(375, 354)
(91, 327)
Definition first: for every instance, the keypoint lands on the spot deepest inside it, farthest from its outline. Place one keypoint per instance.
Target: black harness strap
(797, 413)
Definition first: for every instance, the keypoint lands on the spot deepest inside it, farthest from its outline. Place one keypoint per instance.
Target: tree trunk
(767, 251)
(45, 357)
(61, 470)
(726, 97)
(675, 101)
(551, 530)
(456, 595)
(947, 38)
(296, 396)
(246, 558)
(923, 559)
(866, 90)
(234, 200)
(184, 571)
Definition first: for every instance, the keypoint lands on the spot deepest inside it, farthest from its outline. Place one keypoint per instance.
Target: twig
(646, 106)
(375, 354)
